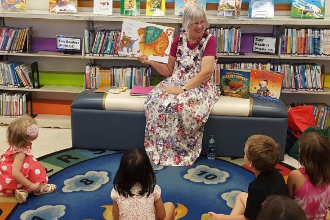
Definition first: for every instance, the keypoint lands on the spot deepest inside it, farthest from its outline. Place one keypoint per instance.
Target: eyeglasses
(195, 24)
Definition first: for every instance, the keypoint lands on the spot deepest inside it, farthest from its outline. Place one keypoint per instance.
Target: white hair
(191, 13)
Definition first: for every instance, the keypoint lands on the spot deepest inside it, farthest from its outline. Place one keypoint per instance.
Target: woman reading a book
(178, 107)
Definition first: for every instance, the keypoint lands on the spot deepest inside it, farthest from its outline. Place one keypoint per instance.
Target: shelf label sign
(68, 43)
(264, 44)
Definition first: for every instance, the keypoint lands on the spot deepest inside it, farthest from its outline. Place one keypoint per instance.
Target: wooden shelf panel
(49, 88)
(326, 92)
(214, 20)
(292, 57)
(249, 56)
(51, 54)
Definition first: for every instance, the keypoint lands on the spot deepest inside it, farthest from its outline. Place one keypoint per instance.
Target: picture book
(229, 8)
(111, 89)
(139, 38)
(63, 6)
(308, 9)
(179, 5)
(266, 85)
(102, 7)
(141, 90)
(13, 5)
(155, 7)
(129, 7)
(235, 83)
(261, 8)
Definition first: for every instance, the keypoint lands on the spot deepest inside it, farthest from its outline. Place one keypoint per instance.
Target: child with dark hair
(278, 207)
(135, 194)
(262, 154)
(310, 184)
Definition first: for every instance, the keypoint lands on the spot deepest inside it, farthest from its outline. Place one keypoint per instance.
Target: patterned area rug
(84, 180)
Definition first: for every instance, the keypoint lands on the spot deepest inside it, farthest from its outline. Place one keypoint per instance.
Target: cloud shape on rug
(45, 212)
(230, 197)
(90, 181)
(203, 173)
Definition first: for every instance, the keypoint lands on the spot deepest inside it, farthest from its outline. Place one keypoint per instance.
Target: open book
(111, 89)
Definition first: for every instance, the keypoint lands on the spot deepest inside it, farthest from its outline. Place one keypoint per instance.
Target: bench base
(121, 130)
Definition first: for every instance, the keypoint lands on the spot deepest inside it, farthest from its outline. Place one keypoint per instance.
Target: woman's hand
(173, 90)
(143, 59)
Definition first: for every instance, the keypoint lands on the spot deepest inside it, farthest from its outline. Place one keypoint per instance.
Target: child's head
(278, 207)
(134, 168)
(314, 156)
(22, 131)
(262, 152)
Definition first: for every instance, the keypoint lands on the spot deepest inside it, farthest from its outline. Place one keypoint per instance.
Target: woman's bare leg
(240, 204)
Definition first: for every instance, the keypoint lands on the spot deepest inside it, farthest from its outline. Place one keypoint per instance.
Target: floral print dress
(175, 123)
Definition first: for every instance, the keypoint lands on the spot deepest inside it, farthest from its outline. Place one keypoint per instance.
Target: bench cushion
(226, 105)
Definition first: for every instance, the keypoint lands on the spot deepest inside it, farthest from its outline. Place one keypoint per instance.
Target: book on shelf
(235, 82)
(141, 90)
(138, 38)
(261, 8)
(13, 5)
(308, 9)
(266, 85)
(129, 7)
(111, 89)
(63, 6)
(229, 8)
(103, 7)
(155, 7)
(179, 5)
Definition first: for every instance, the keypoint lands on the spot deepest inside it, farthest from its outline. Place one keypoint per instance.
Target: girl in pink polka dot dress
(20, 173)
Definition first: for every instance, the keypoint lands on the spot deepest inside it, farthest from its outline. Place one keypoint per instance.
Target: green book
(129, 7)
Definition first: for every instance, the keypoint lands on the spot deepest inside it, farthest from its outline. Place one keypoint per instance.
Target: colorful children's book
(13, 5)
(308, 9)
(229, 8)
(266, 85)
(235, 83)
(181, 4)
(63, 6)
(155, 7)
(261, 8)
(129, 7)
(139, 38)
(102, 7)
(111, 89)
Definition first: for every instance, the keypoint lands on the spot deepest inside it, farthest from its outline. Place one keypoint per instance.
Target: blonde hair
(17, 131)
(191, 13)
(263, 152)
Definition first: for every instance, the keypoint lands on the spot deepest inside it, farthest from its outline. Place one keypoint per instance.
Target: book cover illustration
(235, 83)
(13, 5)
(266, 85)
(111, 89)
(63, 6)
(229, 8)
(155, 8)
(308, 9)
(179, 5)
(261, 8)
(139, 38)
(129, 7)
(102, 7)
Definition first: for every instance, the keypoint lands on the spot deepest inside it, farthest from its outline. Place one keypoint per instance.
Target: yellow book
(155, 8)
(327, 80)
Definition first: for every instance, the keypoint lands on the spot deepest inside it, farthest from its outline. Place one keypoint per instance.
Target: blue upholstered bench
(117, 122)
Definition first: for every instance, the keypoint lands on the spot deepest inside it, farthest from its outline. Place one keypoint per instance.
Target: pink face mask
(33, 131)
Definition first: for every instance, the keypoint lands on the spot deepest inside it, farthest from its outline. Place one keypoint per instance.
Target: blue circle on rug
(84, 189)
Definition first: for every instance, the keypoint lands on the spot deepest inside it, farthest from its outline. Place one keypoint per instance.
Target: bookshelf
(48, 25)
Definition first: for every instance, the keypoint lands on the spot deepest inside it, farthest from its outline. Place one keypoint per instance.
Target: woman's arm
(16, 172)
(159, 209)
(165, 69)
(115, 211)
(207, 69)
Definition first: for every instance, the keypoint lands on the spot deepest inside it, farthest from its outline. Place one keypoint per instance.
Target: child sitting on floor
(135, 194)
(262, 154)
(310, 185)
(21, 173)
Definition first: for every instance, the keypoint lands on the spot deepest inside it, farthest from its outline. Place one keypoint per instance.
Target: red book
(141, 90)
